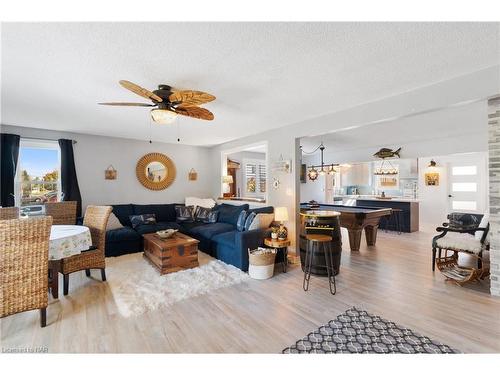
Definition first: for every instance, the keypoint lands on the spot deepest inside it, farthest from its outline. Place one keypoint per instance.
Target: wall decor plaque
(155, 171)
(110, 173)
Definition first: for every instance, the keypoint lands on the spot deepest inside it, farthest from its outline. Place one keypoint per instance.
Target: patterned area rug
(137, 287)
(357, 331)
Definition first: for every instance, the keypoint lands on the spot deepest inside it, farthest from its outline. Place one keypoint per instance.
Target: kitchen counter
(371, 197)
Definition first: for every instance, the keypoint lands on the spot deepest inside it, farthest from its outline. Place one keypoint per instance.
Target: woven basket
(261, 259)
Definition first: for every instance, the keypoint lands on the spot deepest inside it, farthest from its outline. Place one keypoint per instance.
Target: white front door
(467, 185)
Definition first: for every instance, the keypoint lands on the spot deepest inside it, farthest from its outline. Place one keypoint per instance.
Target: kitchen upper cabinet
(356, 174)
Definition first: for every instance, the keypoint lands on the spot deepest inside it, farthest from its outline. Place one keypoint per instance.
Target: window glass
(469, 170)
(38, 175)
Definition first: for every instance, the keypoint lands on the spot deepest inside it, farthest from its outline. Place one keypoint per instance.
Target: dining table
(65, 241)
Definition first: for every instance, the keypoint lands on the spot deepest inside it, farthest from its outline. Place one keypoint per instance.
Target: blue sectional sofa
(221, 239)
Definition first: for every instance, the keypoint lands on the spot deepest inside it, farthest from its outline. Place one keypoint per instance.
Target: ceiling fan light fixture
(163, 116)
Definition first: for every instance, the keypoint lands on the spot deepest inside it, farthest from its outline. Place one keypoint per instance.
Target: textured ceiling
(265, 75)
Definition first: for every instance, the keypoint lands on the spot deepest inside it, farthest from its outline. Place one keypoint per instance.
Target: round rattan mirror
(155, 171)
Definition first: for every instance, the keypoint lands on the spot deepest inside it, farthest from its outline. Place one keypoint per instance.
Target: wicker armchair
(9, 213)
(24, 254)
(96, 219)
(62, 212)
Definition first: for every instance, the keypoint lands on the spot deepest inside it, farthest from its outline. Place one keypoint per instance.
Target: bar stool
(394, 220)
(315, 242)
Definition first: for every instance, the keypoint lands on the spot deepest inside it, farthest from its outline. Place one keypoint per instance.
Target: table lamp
(281, 215)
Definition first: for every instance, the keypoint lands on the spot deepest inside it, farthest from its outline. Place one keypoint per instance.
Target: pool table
(355, 219)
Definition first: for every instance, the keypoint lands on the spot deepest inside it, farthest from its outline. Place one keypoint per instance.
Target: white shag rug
(137, 287)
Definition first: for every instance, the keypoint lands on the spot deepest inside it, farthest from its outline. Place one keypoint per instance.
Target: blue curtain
(10, 152)
(69, 181)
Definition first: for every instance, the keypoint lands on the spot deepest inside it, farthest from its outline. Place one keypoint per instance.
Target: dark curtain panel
(10, 152)
(69, 182)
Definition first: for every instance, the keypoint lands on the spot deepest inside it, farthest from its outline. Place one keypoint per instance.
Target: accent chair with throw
(96, 219)
(24, 256)
(464, 233)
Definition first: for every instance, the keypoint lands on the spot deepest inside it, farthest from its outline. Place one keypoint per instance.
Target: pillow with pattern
(240, 224)
(205, 215)
(184, 214)
(144, 219)
(249, 219)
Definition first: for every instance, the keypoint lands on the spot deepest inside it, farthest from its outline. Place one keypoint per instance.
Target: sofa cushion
(227, 239)
(205, 215)
(151, 228)
(261, 221)
(184, 214)
(211, 230)
(229, 213)
(249, 219)
(123, 212)
(122, 234)
(163, 212)
(262, 210)
(240, 223)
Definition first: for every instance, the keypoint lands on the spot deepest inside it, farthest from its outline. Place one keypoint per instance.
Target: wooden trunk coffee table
(173, 254)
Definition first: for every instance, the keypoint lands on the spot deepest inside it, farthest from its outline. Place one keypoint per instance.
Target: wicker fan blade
(189, 97)
(140, 91)
(196, 112)
(129, 104)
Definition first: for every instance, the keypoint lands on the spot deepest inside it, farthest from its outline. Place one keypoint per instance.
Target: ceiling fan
(169, 102)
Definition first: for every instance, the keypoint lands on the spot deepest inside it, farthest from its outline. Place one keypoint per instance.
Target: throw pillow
(249, 219)
(184, 213)
(113, 222)
(145, 219)
(240, 223)
(261, 221)
(205, 215)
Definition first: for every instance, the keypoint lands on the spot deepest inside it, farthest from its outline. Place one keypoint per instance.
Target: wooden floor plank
(393, 279)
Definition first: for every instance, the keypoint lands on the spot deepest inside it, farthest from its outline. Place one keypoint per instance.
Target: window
(37, 175)
(255, 177)
(470, 170)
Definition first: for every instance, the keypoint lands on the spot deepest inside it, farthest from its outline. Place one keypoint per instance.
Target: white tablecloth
(68, 240)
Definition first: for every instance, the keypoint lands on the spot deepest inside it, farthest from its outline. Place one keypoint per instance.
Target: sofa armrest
(251, 239)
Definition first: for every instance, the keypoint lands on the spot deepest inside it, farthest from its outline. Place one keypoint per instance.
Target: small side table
(279, 245)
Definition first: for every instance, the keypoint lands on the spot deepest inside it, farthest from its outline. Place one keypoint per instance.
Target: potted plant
(274, 233)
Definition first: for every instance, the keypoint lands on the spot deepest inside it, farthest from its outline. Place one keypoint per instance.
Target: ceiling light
(163, 116)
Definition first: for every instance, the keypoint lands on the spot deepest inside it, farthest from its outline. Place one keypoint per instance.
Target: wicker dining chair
(24, 255)
(62, 212)
(96, 219)
(9, 213)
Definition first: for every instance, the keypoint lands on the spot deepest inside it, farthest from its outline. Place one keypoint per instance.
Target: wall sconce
(432, 175)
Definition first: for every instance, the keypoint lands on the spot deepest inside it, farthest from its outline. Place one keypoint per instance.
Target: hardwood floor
(393, 279)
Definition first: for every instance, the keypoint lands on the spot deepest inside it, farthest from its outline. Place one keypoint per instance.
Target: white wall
(93, 154)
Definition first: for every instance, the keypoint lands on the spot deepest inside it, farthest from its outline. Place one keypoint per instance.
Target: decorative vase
(282, 233)
(274, 235)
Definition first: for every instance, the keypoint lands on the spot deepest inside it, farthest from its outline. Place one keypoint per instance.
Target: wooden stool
(314, 242)
(394, 218)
